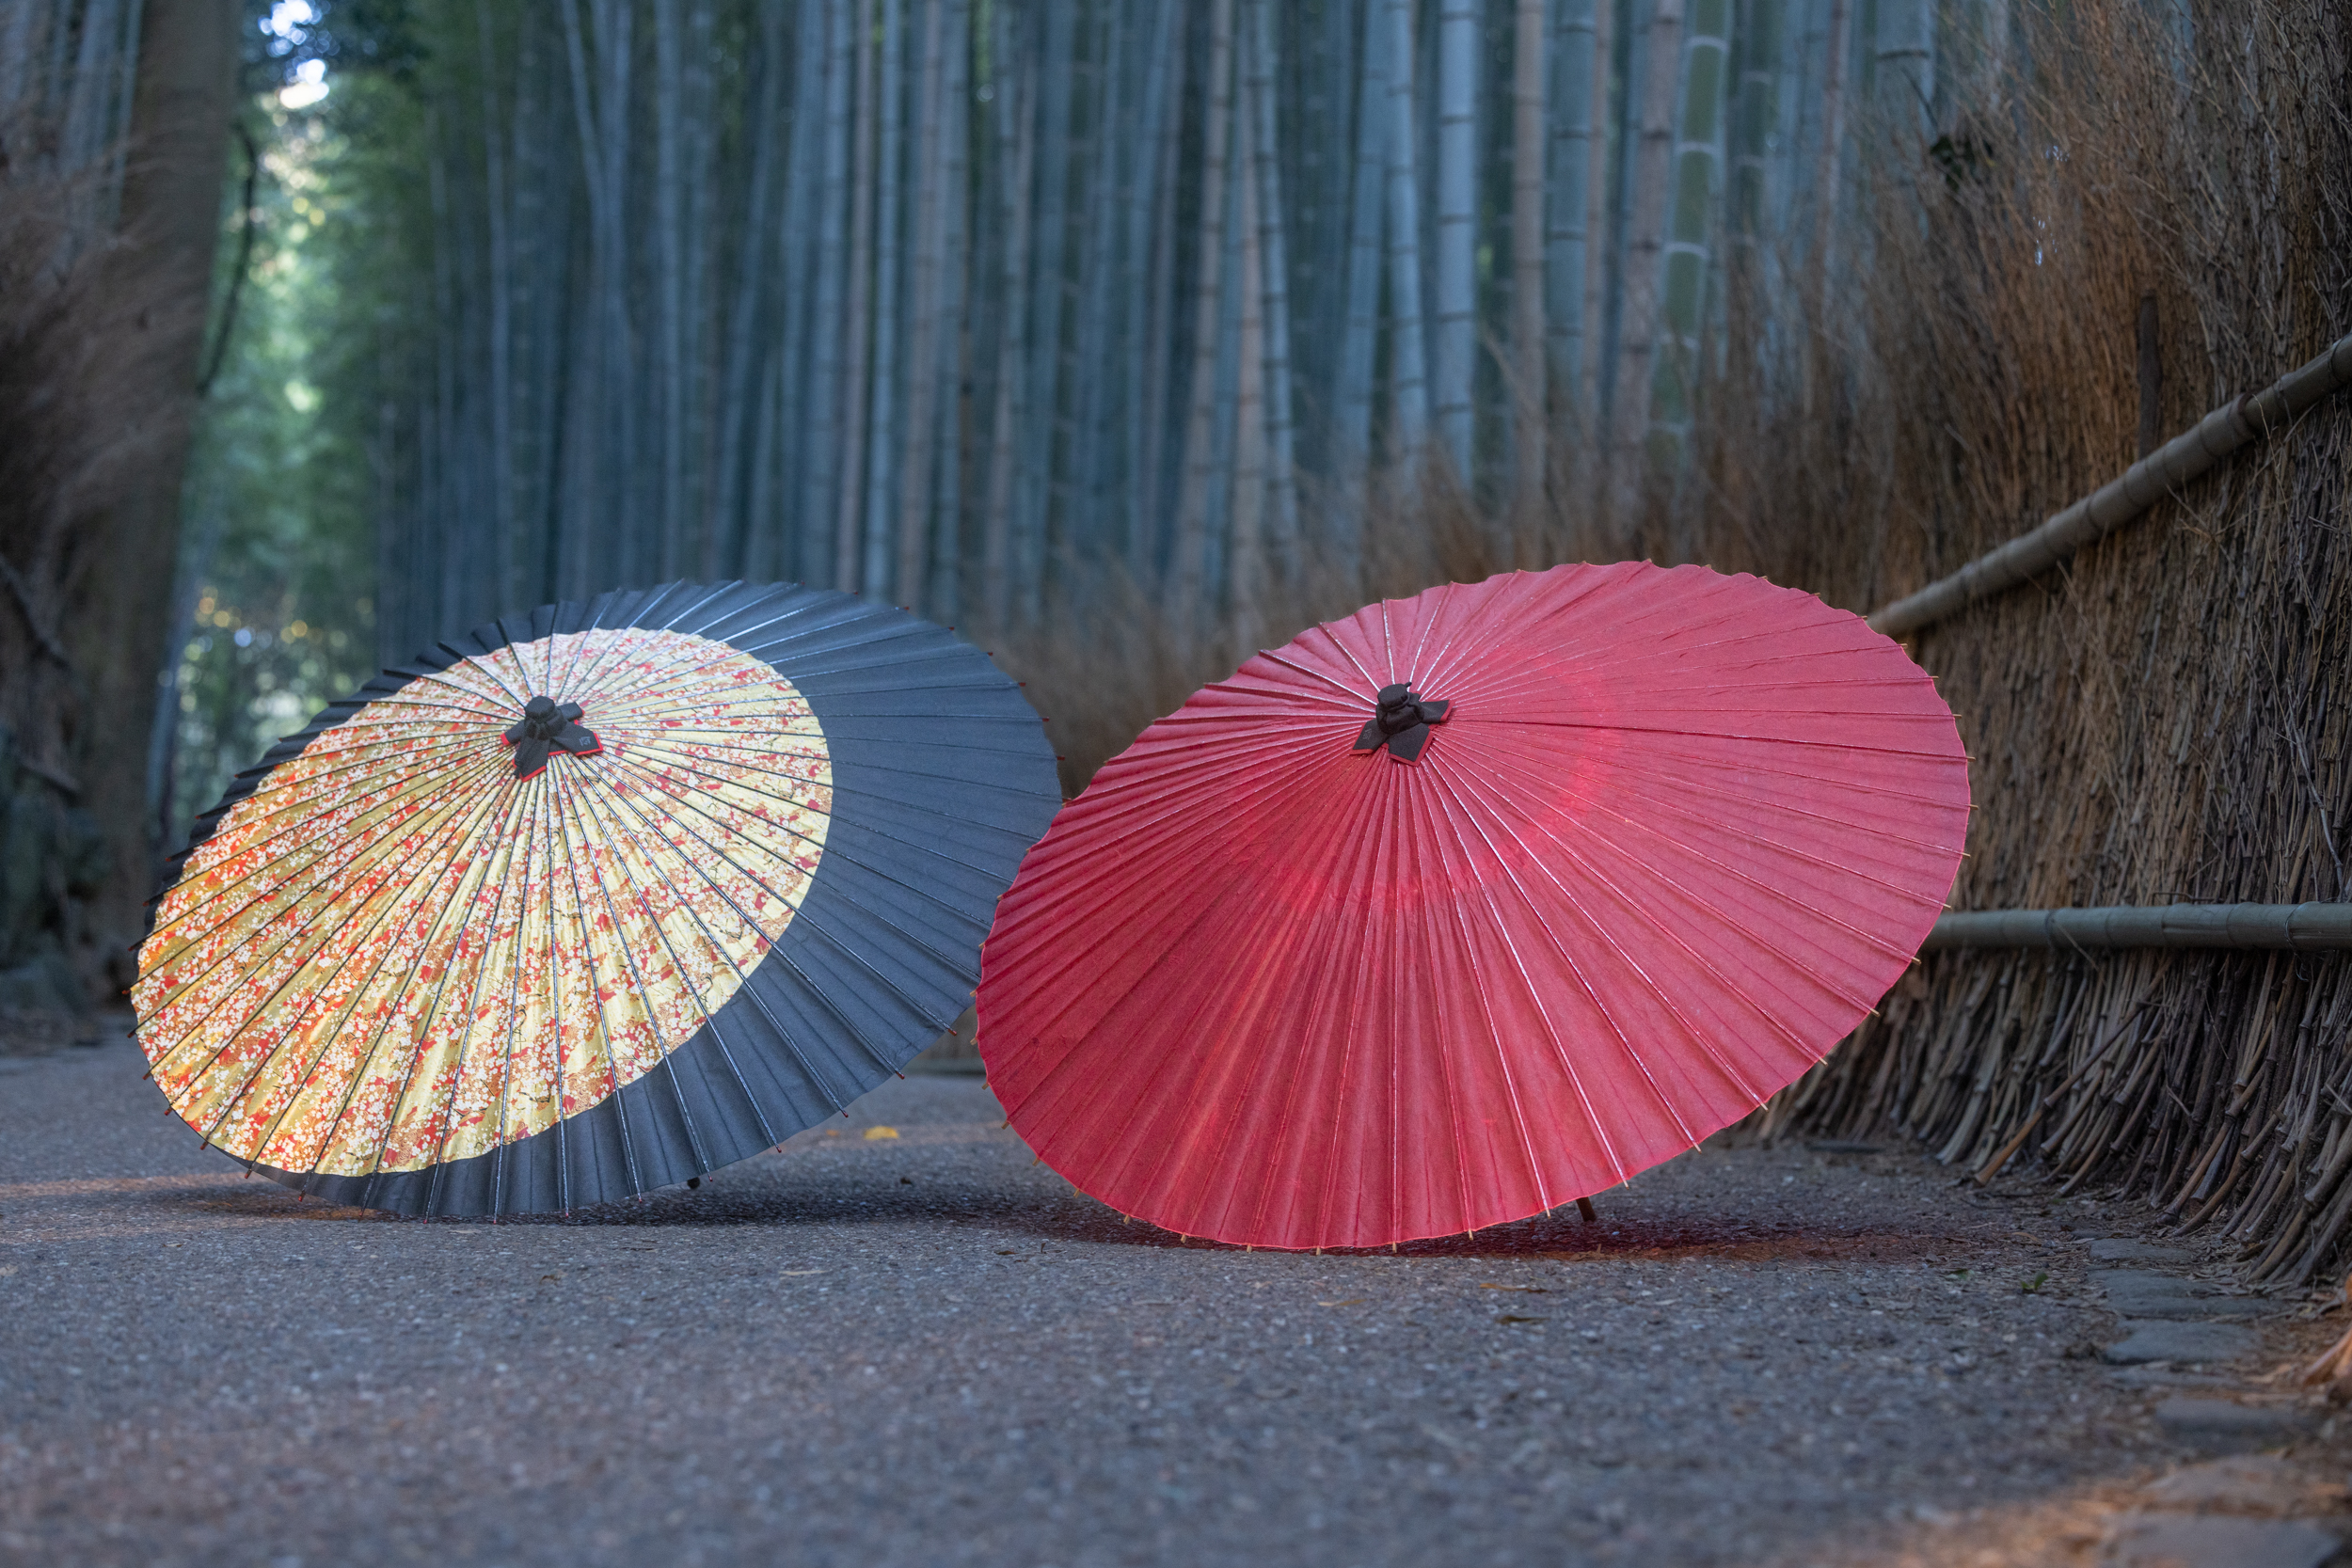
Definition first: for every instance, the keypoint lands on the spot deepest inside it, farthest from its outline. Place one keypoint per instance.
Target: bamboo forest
(1014, 310)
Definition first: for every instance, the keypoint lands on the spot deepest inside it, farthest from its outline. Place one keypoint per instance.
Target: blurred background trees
(1129, 335)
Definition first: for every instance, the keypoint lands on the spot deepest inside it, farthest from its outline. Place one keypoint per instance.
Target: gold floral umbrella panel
(581, 905)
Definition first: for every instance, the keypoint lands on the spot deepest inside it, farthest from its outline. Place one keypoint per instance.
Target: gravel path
(868, 1349)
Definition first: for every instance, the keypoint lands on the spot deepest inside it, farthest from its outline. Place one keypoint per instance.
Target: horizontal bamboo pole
(2234, 424)
(2300, 927)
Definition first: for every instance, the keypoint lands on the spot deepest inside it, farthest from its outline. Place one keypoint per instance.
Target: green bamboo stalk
(1531, 399)
(889, 373)
(915, 491)
(1274, 264)
(848, 556)
(1455, 339)
(1646, 239)
(1409, 378)
(1192, 510)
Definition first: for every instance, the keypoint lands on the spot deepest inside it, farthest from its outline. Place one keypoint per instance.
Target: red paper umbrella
(1320, 962)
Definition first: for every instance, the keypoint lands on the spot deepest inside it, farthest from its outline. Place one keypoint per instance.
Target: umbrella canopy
(593, 900)
(1471, 904)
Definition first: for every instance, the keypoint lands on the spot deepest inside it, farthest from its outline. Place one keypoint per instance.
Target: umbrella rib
(245, 1087)
(455, 875)
(261, 1146)
(448, 1118)
(792, 905)
(572, 853)
(709, 1019)
(1375, 682)
(595, 871)
(555, 1012)
(1592, 994)
(1848, 785)
(1641, 910)
(1336, 821)
(895, 772)
(1892, 950)
(1367, 875)
(390, 833)
(1454, 819)
(1715, 910)
(415, 782)
(514, 1010)
(451, 961)
(1355, 698)
(823, 849)
(256, 933)
(1719, 735)
(1445, 1062)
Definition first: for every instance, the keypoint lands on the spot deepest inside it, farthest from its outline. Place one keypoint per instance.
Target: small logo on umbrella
(543, 726)
(1402, 724)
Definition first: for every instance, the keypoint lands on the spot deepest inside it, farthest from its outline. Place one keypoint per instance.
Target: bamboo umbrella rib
(637, 982)
(321, 934)
(353, 850)
(447, 1118)
(326, 934)
(1664, 995)
(440, 915)
(514, 1011)
(831, 852)
(1455, 816)
(743, 978)
(565, 816)
(2234, 426)
(638, 891)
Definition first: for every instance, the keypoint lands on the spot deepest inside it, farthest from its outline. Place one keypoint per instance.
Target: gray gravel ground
(928, 1349)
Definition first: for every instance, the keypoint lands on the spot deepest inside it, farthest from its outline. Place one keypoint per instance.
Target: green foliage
(277, 554)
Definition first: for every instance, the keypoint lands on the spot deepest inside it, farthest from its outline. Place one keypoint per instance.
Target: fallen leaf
(1509, 1318)
(791, 1272)
(550, 1276)
(875, 1133)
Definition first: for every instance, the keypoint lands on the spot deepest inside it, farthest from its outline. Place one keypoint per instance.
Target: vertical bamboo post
(820, 559)
(849, 559)
(1572, 120)
(1244, 548)
(1192, 509)
(1590, 383)
(889, 368)
(1645, 266)
(1455, 339)
(1015, 126)
(1408, 377)
(1531, 396)
(1273, 265)
(1362, 336)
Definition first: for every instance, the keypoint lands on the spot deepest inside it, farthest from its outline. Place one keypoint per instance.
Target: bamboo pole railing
(2295, 928)
(2234, 426)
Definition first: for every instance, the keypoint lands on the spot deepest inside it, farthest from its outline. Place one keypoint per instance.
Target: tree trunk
(98, 391)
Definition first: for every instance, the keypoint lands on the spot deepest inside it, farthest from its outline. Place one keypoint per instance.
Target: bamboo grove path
(927, 1349)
